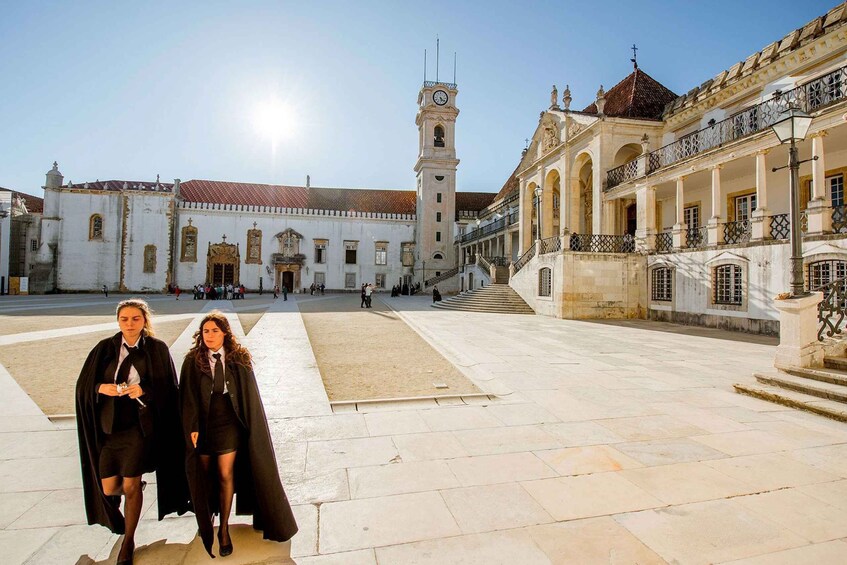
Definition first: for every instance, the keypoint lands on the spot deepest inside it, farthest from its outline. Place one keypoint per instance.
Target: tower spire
(437, 55)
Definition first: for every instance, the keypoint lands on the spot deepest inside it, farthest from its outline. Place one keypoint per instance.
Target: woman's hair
(145, 311)
(235, 352)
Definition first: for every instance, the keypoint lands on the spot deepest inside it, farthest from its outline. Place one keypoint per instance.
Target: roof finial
(566, 97)
(634, 57)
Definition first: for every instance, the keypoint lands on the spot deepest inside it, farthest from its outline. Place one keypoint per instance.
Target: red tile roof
(251, 194)
(473, 201)
(363, 200)
(637, 96)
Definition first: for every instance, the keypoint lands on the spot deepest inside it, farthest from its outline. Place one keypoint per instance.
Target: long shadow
(695, 331)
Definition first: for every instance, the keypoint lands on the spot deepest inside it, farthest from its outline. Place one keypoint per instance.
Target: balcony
(810, 97)
(280, 259)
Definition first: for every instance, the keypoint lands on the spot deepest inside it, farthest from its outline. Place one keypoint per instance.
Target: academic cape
(258, 488)
(162, 414)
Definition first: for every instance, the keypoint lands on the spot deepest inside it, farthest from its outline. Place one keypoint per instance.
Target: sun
(275, 120)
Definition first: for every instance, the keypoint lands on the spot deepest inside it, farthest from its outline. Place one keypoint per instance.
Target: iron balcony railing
(810, 97)
(664, 242)
(603, 243)
(525, 258)
(625, 172)
(696, 237)
(839, 219)
(737, 232)
(499, 261)
(780, 226)
(430, 83)
(550, 245)
(482, 231)
(832, 309)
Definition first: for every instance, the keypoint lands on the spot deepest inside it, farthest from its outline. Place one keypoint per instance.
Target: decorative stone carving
(566, 97)
(554, 95)
(601, 100)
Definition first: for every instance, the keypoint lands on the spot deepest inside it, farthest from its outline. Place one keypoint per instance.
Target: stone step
(821, 389)
(839, 363)
(832, 376)
(496, 298)
(827, 408)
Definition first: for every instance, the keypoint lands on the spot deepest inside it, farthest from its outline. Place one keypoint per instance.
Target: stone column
(645, 231)
(819, 207)
(564, 196)
(715, 223)
(761, 223)
(680, 240)
(525, 207)
(798, 332)
(507, 245)
(597, 200)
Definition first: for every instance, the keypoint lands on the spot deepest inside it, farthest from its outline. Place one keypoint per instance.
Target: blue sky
(129, 90)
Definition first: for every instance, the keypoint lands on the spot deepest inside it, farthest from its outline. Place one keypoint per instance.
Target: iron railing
(696, 237)
(482, 231)
(832, 309)
(625, 172)
(839, 219)
(737, 232)
(664, 242)
(442, 277)
(810, 97)
(525, 258)
(780, 226)
(483, 264)
(499, 261)
(550, 245)
(603, 243)
(429, 83)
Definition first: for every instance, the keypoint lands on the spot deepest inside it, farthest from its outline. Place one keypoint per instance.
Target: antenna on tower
(454, 67)
(424, 65)
(437, 55)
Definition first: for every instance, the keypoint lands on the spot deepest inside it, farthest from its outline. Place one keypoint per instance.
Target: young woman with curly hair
(229, 443)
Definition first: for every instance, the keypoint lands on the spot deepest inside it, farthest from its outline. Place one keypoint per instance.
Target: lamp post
(791, 127)
(538, 192)
(3, 215)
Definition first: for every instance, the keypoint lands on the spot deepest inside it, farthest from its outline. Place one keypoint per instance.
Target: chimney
(308, 181)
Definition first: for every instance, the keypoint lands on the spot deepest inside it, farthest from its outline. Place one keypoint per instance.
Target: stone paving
(607, 443)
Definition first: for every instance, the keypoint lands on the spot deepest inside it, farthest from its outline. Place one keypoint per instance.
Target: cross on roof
(634, 56)
(224, 237)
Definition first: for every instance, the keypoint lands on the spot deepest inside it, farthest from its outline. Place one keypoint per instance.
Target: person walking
(284, 292)
(105, 291)
(276, 292)
(227, 433)
(177, 291)
(364, 296)
(128, 423)
(369, 289)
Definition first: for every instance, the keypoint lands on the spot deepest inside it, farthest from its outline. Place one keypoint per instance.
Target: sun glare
(274, 120)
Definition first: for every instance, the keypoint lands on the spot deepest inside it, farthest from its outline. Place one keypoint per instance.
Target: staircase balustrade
(832, 309)
(524, 259)
(442, 277)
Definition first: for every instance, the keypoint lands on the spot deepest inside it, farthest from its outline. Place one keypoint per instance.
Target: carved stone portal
(223, 264)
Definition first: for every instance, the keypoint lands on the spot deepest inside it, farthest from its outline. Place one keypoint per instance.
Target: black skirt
(222, 427)
(127, 453)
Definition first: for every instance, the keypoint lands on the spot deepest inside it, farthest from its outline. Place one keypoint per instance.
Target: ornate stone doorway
(288, 276)
(223, 264)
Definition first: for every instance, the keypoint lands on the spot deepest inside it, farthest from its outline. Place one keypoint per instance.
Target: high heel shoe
(127, 561)
(224, 549)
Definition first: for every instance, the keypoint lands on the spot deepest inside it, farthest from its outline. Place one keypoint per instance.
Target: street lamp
(3, 214)
(538, 192)
(791, 127)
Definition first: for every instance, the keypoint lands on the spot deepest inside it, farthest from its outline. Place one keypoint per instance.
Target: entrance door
(288, 280)
(470, 281)
(222, 274)
(631, 219)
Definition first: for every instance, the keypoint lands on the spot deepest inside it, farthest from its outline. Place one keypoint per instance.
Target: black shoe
(224, 549)
(143, 485)
(127, 561)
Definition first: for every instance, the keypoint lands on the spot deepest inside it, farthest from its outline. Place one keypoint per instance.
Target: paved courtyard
(605, 443)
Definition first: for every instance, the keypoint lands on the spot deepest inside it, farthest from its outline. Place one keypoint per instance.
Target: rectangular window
(380, 280)
(381, 253)
(438, 236)
(408, 254)
(438, 197)
(691, 215)
(744, 206)
(320, 250)
(33, 245)
(349, 280)
(545, 279)
(438, 216)
(350, 248)
(320, 278)
(824, 272)
(728, 285)
(836, 190)
(662, 284)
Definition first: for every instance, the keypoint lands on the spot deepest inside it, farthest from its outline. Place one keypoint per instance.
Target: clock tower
(436, 179)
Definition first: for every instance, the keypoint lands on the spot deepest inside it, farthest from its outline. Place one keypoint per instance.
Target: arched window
(95, 227)
(439, 136)
(545, 281)
(438, 256)
(189, 244)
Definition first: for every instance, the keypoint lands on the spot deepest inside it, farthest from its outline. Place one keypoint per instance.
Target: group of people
(220, 292)
(367, 295)
(205, 436)
(316, 288)
(405, 289)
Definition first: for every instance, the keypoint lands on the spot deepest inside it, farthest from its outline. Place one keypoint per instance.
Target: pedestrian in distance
(127, 413)
(276, 292)
(284, 292)
(363, 296)
(177, 291)
(105, 291)
(369, 289)
(229, 443)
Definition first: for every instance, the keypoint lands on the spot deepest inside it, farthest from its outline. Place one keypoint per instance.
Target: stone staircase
(495, 298)
(822, 390)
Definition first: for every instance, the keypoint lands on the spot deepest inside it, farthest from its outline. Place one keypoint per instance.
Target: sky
(269, 92)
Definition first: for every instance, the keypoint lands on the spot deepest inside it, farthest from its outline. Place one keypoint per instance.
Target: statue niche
(289, 249)
(223, 264)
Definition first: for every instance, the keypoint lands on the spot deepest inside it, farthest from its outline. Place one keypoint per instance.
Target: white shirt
(212, 364)
(132, 378)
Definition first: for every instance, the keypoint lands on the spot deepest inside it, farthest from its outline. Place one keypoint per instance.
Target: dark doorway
(222, 274)
(631, 219)
(288, 280)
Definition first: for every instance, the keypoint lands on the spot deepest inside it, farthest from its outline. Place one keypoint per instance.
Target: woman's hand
(133, 391)
(194, 436)
(108, 389)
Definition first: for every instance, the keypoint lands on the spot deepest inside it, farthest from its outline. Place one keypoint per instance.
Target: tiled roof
(251, 194)
(362, 200)
(637, 96)
(116, 185)
(473, 201)
(34, 204)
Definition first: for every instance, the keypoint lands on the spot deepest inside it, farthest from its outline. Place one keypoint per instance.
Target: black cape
(258, 488)
(162, 397)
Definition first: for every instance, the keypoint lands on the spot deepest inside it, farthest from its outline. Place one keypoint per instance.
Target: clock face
(439, 97)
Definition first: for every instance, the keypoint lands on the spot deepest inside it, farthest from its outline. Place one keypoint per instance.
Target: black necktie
(219, 374)
(126, 365)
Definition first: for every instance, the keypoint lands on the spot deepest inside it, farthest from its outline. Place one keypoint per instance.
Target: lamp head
(538, 192)
(792, 125)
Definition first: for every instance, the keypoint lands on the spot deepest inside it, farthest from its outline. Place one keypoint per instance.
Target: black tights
(130, 487)
(226, 479)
